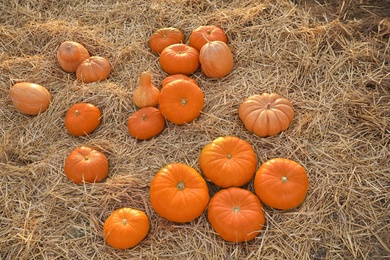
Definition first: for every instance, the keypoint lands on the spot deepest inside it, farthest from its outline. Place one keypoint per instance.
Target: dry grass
(334, 69)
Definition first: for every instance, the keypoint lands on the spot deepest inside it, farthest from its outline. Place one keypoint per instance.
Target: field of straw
(331, 59)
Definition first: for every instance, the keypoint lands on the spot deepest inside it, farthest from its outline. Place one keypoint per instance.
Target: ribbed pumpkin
(179, 59)
(30, 98)
(200, 35)
(216, 59)
(70, 54)
(228, 161)
(165, 37)
(145, 123)
(146, 94)
(82, 119)
(93, 69)
(174, 77)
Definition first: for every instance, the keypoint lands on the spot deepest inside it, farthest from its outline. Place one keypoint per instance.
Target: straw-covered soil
(330, 59)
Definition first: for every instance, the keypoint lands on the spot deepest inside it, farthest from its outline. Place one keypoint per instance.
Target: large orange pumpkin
(236, 214)
(30, 98)
(179, 193)
(85, 164)
(93, 69)
(179, 59)
(174, 77)
(266, 114)
(228, 161)
(202, 34)
(181, 101)
(70, 54)
(165, 37)
(281, 183)
(145, 123)
(216, 59)
(82, 119)
(126, 228)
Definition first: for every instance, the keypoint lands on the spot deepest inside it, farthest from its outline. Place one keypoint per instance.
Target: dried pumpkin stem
(236, 209)
(183, 101)
(77, 112)
(229, 156)
(124, 222)
(284, 179)
(180, 185)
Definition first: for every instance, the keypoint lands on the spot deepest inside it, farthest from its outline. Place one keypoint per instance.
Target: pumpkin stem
(124, 222)
(146, 79)
(229, 156)
(86, 158)
(183, 101)
(77, 112)
(180, 185)
(143, 117)
(236, 209)
(268, 106)
(284, 179)
(164, 36)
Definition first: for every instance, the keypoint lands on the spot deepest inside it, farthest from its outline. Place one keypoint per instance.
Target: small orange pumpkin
(30, 98)
(179, 59)
(126, 228)
(70, 54)
(165, 37)
(236, 214)
(93, 69)
(82, 119)
(146, 94)
(181, 101)
(179, 193)
(145, 123)
(216, 59)
(85, 164)
(266, 114)
(210, 32)
(228, 161)
(281, 183)
(174, 77)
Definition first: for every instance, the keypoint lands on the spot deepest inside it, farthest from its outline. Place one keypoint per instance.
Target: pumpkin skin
(70, 54)
(228, 161)
(266, 114)
(165, 37)
(146, 94)
(82, 119)
(93, 69)
(86, 164)
(281, 183)
(126, 228)
(216, 59)
(30, 98)
(236, 214)
(179, 193)
(211, 32)
(179, 59)
(146, 123)
(181, 101)
(174, 77)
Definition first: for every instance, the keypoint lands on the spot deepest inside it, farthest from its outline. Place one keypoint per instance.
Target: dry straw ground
(330, 59)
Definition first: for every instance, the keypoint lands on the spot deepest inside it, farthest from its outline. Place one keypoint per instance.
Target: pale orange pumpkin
(216, 59)
(70, 54)
(30, 98)
(93, 69)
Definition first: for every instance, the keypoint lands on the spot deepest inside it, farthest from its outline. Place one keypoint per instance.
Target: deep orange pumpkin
(146, 123)
(236, 214)
(228, 161)
(179, 59)
(82, 119)
(174, 77)
(126, 228)
(210, 32)
(179, 193)
(93, 69)
(281, 183)
(266, 114)
(30, 98)
(181, 101)
(85, 164)
(165, 37)
(70, 54)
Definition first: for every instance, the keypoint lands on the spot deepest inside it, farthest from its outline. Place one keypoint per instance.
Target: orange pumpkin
(236, 214)
(281, 183)
(82, 119)
(93, 69)
(179, 59)
(174, 77)
(146, 94)
(85, 164)
(216, 59)
(145, 123)
(266, 114)
(181, 101)
(228, 161)
(210, 32)
(30, 98)
(126, 228)
(179, 193)
(70, 54)
(165, 37)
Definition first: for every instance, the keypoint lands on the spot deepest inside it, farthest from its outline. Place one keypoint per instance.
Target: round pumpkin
(145, 123)
(70, 54)
(126, 228)
(210, 32)
(165, 37)
(82, 119)
(30, 98)
(281, 183)
(179, 59)
(85, 164)
(228, 161)
(93, 69)
(236, 214)
(181, 101)
(216, 59)
(174, 77)
(266, 114)
(179, 193)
